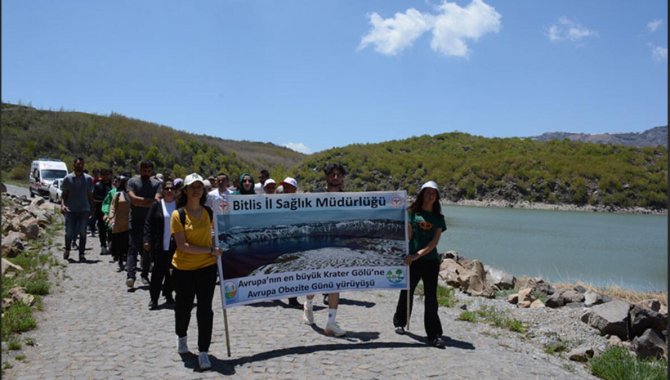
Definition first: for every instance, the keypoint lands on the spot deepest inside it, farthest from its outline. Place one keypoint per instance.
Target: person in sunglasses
(159, 241)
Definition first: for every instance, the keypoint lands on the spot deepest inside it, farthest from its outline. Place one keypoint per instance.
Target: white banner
(285, 245)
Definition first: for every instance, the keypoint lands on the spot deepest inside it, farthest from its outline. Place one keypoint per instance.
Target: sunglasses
(168, 188)
(247, 181)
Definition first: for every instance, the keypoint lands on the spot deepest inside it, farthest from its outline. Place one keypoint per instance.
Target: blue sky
(314, 75)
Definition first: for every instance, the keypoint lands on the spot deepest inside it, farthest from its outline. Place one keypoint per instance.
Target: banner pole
(223, 304)
(408, 301)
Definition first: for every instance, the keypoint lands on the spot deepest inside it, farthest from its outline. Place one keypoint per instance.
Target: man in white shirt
(220, 194)
(264, 176)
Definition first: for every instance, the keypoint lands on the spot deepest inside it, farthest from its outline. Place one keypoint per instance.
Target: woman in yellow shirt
(194, 265)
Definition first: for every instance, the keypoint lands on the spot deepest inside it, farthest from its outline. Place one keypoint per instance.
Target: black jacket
(153, 229)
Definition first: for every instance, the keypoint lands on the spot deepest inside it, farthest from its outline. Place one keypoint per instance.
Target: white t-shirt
(214, 199)
(258, 188)
(168, 208)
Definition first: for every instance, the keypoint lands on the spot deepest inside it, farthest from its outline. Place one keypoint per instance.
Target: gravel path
(92, 327)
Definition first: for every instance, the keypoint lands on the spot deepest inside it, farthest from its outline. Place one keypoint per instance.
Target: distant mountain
(651, 137)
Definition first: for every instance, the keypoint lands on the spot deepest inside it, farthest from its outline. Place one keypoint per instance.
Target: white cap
(193, 177)
(289, 181)
(431, 185)
(268, 182)
(206, 183)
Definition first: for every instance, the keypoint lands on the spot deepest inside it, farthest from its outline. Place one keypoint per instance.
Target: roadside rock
(19, 294)
(609, 318)
(473, 280)
(642, 318)
(650, 345)
(581, 354)
(8, 266)
(12, 244)
(498, 278)
(592, 298)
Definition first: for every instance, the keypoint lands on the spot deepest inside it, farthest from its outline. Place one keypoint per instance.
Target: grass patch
(37, 263)
(446, 296)
(17, 318)
(554, 348)
(20, 357)
(493, 317)
(14, 344)
(468, 316)
(617, 363)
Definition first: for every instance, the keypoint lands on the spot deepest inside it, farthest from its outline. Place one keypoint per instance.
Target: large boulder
(12, 244)
(609, 318)
(650, 344)
(449, 271)
(498, 278)
(642, 318)
(31, 228)
(538, 284)
(473, 280)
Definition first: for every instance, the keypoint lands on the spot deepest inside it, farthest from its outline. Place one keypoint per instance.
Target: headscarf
(241, 188)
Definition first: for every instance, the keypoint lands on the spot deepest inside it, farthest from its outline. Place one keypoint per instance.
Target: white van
(42, 173)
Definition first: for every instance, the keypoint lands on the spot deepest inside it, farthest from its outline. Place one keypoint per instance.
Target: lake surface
(563, 246)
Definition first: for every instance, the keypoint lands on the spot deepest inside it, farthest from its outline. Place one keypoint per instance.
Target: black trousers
(160, 275)
(102, 228)
(120, 247)
(428, 272)
(188, 284)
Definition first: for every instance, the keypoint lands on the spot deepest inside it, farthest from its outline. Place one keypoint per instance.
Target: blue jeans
(75, 224)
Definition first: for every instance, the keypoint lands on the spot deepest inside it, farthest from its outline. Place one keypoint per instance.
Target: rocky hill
(651, 137)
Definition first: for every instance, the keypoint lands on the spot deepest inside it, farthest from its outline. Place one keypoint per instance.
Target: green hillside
(465, 166)
(121, 143)
(511, 169)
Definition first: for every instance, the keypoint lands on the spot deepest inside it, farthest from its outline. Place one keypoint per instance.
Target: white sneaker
(332, 329)
(203, 361)
(308, 314)
(182, 346)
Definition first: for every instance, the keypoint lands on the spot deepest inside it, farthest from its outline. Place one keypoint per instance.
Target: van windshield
(52, 174)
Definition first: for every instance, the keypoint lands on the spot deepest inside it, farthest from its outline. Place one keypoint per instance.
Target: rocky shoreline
(555, 207)
(582, 322)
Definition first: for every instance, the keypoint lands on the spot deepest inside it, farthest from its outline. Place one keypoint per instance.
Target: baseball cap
(289, 181)
(268, 182)
(193, 177)
(431, 185)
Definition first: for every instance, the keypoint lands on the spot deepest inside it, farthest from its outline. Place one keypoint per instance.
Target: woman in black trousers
(425, 226)
(158, 240)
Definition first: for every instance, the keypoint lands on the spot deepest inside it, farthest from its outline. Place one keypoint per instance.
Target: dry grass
(615, 291)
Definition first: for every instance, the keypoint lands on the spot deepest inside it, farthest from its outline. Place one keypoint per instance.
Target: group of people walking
(168, 225)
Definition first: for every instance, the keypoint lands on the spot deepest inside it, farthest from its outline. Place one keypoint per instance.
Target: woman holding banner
(194, 265)
(425, 226)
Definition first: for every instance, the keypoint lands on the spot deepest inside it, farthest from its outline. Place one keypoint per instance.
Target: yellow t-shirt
(197, 231)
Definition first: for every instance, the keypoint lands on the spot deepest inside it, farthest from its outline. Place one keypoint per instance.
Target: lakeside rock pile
(23, 220)
(642, 327)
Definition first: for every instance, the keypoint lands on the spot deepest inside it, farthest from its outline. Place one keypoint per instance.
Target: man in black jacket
(100, 191)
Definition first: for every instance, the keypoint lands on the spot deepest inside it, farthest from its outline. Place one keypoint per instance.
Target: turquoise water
(561, 246)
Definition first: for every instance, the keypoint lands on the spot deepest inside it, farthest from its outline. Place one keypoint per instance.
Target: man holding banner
(334, 183)
(289, 244)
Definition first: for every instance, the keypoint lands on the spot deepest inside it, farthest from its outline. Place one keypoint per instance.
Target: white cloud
(451, 26)
(653, 25)
(659, 53)
(569, 30)
(298, 147)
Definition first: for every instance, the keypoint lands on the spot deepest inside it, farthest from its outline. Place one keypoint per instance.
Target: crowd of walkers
(167, 223)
